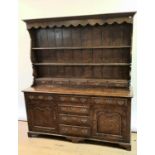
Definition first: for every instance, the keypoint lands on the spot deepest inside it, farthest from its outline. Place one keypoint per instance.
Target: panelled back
(87, 36)
(83, 52)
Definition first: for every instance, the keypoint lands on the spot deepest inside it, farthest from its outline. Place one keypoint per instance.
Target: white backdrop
(54, 8)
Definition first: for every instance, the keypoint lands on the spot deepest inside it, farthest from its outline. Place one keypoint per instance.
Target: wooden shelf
(85, 79)
(81, 64)
(63, 48)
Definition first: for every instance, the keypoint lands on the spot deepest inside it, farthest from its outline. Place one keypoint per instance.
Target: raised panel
(109, 123)
(40, 115)
(42, 118)
(41, 112)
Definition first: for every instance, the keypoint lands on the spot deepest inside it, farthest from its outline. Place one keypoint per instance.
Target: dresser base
(126, 146)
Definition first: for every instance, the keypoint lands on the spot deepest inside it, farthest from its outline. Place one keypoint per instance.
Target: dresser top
(99, 19)
(84, 91)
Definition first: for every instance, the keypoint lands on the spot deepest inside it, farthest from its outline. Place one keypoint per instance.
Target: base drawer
(74, 119)
(74, 130)
(73, 109)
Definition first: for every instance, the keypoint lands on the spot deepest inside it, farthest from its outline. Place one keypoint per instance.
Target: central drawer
(74, 130)
(74, 119)
(73, 109)
(72, 99)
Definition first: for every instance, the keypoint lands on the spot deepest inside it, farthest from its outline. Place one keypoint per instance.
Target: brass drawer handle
(84, 131)
(64, 129)
(74, 109)
(43, 82)
(83, 100)
(40, 97)
(83, 120)
(62, 98)
(31, 97)
(50, 98)
(84, 110)
(98, 100)
(120, 102)
(64, 118)
(73, 99)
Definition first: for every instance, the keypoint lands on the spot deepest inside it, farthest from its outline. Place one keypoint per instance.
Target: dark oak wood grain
(81, 69)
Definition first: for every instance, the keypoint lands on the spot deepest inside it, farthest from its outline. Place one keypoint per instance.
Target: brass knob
(40, 97)
(31, 97)
(50, 98)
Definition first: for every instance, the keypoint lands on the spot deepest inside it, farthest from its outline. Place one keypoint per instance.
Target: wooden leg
(126, 146)
(75, 139)
(29, 134)
(32, 134)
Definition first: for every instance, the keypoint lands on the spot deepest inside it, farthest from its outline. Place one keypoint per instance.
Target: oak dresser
(81, 86)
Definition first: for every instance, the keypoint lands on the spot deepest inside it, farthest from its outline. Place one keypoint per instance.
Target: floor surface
(49, 146)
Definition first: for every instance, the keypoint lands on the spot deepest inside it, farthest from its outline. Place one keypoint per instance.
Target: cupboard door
(41, 115)
(111, 122)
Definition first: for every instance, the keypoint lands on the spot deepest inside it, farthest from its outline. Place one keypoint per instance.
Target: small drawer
(68, 99)
(74, 130)
(74, 119)
(111, 101)
(73, 99)
(39, 97)
(73, 109)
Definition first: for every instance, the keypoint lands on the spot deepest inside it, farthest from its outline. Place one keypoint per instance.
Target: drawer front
(73, 99)
(73, 119)
(38, 97)
(109, 101)
(74, 130)
(73, 109)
